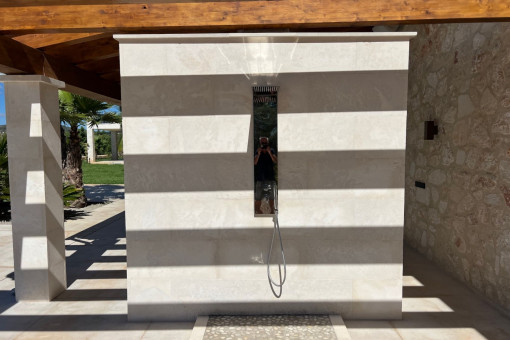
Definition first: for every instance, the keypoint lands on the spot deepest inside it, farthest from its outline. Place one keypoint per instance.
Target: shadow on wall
(230, 94)
(365, 169)
(237, 246)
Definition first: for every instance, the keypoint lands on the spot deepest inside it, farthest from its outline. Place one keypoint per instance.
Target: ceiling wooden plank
(44, 40)
(16, 58)
(256, 13)
(88, 51)
(15, 3)
(102, 66)
(113, 76)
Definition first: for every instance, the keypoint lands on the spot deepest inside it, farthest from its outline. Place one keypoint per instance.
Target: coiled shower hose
(276, 229)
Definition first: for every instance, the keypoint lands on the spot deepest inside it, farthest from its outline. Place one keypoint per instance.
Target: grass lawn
(103, 173)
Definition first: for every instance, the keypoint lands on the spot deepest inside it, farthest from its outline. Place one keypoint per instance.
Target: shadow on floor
(5, 211)
(7, 300)
(7, 297)
(71, 214)
(438, 307)
(96, 194)
(74, 214)
(90, 249)
(101, 193)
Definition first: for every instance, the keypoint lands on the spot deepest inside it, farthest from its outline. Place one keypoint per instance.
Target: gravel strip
(265, 327)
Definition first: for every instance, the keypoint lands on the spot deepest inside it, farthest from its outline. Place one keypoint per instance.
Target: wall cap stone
(263, 37)
(30, 79)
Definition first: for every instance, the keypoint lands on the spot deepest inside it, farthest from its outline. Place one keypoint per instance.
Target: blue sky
(2, 105)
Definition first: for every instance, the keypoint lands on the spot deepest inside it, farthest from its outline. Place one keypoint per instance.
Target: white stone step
(339, 327)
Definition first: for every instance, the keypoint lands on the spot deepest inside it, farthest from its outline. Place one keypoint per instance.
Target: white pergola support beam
(91, 149)
(113, 128)
(108, 127)
(115, 156)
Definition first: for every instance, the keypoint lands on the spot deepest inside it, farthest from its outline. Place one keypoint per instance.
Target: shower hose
(276, 286)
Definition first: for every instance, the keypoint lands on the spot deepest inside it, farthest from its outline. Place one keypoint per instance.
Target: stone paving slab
(105, 214)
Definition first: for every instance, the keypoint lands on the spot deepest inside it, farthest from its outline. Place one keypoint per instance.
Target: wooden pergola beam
(99, 49)
(212, 15)
(114, 76)
(50, 39)
(102, 66)
(16, 58)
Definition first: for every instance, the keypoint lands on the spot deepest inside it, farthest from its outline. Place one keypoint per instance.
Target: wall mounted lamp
(431, 130)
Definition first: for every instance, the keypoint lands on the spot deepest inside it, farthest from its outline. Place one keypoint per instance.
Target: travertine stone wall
(460, 76)
(194, 246)
(35, 174)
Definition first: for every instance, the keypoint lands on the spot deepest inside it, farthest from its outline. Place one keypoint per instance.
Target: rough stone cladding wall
(459, 76)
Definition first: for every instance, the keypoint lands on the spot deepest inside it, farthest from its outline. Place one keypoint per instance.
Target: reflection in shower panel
(265, 134)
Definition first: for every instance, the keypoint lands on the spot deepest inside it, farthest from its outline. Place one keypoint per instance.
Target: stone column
(114, 145)
(91, 148)
(35, 173)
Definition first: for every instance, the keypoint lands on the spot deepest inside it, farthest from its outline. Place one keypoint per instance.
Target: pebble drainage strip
(263, 327)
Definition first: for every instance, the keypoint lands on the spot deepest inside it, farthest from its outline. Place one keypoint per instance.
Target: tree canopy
(77, 110)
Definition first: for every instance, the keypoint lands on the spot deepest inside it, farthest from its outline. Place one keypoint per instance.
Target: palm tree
(4, 169)
(76, 110)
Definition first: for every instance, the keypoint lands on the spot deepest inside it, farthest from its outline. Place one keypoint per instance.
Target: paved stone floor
(100, 193)
(435, 305)
(94, 306)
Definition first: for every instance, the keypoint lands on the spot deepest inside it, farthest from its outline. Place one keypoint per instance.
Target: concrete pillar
(91, 148)
(35, 172)
(114, 145)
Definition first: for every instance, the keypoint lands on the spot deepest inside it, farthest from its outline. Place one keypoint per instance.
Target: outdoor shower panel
(265, 133)
(195, 110)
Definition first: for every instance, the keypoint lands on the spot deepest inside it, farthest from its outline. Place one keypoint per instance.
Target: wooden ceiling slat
(16, 3)
(44, 40)
(89, 51)
(102, 66)
(113, 76)
(16, 58)
(239, 14)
